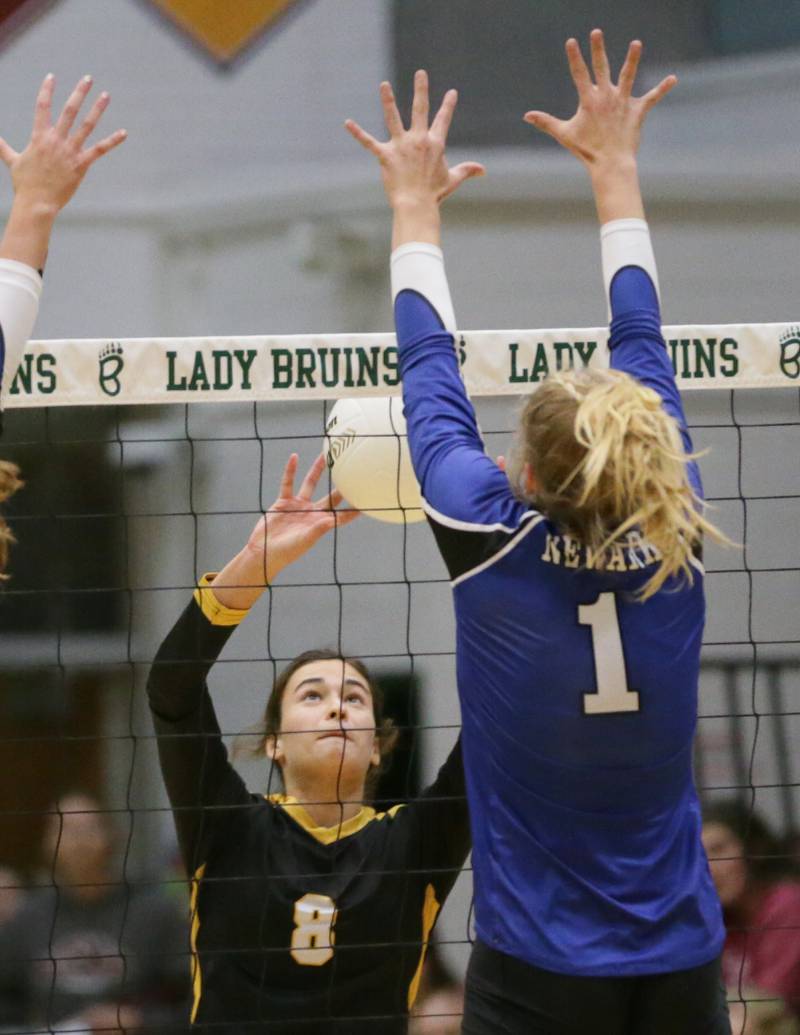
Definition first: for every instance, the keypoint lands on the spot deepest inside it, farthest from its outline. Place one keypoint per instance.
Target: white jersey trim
(538, 518)
(20, 290)
(419, 267)
(626, 242)
(474, 526)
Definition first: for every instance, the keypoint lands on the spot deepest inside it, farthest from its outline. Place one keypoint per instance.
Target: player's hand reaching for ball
(291, 526)
(416, 176)
(295, 522)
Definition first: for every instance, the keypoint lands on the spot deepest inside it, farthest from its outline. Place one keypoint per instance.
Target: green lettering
(348, 364)
(23, 378)
(223, 369)
(729, 354)
(368, 366)
(541, 367)
(281, 368)
(685, 368)
(704, 359)
(306, 362)
(563, 351)
(46, 373)
(515, 377)
(174, 385)
(199, 377)
(245, 360)
(585, 350)
(392, 376)
(328, 373)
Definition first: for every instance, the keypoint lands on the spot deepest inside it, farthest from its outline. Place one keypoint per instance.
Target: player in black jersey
(310, 911)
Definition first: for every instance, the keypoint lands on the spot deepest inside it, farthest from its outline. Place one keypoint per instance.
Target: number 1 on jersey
(612, 694)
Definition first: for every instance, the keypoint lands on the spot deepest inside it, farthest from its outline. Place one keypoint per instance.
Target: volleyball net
(134, 491)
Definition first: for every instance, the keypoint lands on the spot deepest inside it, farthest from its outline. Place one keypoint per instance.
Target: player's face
(327, 725)
(726, 859)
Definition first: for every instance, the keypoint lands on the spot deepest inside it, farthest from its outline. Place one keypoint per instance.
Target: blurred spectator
(88, 952)
(440, 1001)
(761, 905)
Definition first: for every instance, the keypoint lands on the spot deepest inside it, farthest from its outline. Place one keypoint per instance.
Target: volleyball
(367, 452)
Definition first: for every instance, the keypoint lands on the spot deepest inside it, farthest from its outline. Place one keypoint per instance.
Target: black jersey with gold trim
(295, 927)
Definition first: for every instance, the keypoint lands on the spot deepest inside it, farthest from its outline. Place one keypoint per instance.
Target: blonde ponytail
(608, 460)
(9, 483)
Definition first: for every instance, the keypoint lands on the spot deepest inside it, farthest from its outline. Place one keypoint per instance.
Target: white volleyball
(367, 452)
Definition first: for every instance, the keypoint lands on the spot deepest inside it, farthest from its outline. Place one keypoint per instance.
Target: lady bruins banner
(164, 370)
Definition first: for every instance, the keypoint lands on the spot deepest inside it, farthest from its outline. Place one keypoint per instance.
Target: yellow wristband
(214, 611)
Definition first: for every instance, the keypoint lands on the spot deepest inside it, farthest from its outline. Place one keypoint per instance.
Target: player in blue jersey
(578, 591)
(44, 176)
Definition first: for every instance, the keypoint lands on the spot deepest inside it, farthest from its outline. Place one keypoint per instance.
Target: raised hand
(50, 169)
(608, 123)
(54, 162)
(290, 527)
(416, 176)
(295, 522)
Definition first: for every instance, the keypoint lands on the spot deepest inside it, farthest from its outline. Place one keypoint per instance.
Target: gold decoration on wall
(224, 28)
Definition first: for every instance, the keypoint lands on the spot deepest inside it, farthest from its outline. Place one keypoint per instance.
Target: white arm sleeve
(420, 267)
(626, 242)
(20, 290)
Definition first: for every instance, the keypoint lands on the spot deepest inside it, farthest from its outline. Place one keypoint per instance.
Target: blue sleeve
(457, 478)
(638, 348)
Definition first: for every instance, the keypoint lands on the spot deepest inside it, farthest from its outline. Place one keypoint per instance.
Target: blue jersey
(578, 701)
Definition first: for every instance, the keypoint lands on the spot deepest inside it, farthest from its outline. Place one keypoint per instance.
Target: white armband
(20, 290)
(626, 242)
(420, 267)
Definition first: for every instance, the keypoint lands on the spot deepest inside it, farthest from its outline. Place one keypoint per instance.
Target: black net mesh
(126, 508)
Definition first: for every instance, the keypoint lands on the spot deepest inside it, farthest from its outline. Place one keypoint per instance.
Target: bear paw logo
(790, 353)
(111, 362)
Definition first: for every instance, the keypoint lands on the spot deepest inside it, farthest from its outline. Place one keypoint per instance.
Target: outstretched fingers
(309, 483)
(73, 106)
(627, 75)
(600, 67)
(365, 139)
(577, 67)
(544, 122)
(7, 154)
(391, 113)
(44, 105)
(440, 126)
(461, 172)
(420, 107)
(332, 501)
(91, 120)
(103, 147)
(652, 97)
(286, 490)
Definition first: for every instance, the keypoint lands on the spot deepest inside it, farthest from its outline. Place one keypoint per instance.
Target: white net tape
(259, 368)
